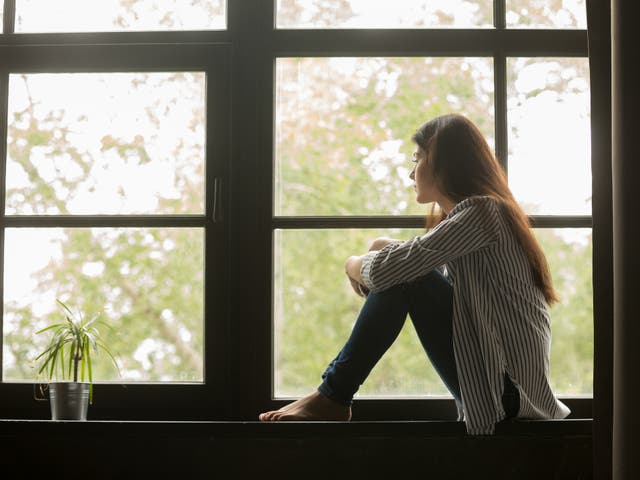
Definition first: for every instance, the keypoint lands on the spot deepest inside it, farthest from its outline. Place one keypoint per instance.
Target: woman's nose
(412, 175)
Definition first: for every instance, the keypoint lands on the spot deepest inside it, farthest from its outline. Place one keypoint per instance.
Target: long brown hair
(463, 166)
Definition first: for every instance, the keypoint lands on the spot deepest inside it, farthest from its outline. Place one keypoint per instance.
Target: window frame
(240, 154)
(499, 43)
(144, 52)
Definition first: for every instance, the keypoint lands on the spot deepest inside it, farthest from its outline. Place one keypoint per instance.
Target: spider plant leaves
(72, 344)
(64, 307)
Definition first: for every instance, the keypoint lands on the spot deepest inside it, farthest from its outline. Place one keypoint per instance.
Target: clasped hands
(353, 266)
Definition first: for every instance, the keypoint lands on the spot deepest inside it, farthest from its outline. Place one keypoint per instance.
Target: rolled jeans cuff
(326, 390)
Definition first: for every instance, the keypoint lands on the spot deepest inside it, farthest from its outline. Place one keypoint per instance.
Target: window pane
(315, 309)
(119, 15)
(74, 149)
(549, 134)
(569, 252)
(146, 283)
(343, 128)
(546, 14)
(309, 330)
(384, 14)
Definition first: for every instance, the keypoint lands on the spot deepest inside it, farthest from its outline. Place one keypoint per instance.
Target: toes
(266, 417)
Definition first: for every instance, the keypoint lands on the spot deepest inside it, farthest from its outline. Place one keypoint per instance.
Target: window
(343, 121)
(199, 172)
(112, 160)
(74, 150)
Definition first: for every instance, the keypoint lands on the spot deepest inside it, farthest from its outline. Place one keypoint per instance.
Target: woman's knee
(434, 286)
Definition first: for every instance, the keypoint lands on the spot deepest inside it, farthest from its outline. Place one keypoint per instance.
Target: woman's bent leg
(430, 301)
(377, 326)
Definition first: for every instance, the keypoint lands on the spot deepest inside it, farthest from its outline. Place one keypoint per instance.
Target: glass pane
(569, 251)
(119, 15)
(309, 330)
(384, 14)
(550, 135)
(74, 149)
(147, 283)
(546, 14)
(1, 16)
(344, 126)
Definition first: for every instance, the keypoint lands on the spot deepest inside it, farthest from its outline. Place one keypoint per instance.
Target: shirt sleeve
(470, 226)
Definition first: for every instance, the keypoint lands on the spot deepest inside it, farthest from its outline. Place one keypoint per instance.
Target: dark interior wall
(626, 237)
(599, 35)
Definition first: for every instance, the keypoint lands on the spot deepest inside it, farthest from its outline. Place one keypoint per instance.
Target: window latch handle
(217, 200)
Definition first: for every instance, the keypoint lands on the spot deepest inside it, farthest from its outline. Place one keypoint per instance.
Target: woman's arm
(381, 242)
(353, 265)
(352, 268)
(470, 226)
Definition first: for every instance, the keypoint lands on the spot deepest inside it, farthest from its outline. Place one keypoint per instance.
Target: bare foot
(314, 406)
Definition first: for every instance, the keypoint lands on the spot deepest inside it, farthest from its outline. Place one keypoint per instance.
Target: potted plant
(66, 362)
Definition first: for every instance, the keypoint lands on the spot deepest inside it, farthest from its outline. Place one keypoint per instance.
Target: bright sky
(405, 13)
(89, 16)
(92, 16)
(411, 13)
(550, 140)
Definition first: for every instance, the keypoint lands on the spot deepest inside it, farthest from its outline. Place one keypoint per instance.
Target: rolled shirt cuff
(365, 270)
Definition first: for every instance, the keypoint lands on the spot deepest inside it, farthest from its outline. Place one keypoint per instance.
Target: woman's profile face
(422, 176)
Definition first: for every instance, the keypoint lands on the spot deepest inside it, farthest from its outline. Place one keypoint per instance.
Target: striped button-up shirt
(500, 318)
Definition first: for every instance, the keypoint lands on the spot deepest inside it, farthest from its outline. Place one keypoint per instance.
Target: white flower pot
(69, 400)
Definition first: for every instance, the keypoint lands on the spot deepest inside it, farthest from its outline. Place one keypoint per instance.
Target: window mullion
(499, 15)
(500, 95)
(500, 105)
(250, 200)
(9, 16)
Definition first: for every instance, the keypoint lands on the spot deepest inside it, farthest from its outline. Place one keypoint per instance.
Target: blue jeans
(429, 303)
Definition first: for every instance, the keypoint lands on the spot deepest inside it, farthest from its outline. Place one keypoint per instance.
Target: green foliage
(572, 317)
